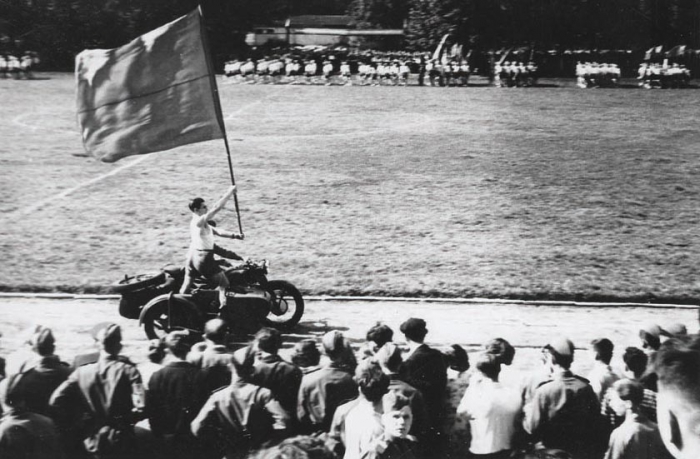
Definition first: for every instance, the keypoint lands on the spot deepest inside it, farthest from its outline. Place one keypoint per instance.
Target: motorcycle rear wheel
(289, 299)
(168, 315)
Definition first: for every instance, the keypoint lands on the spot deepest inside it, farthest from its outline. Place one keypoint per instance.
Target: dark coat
(320, 393)
(39, 380)
(282, 378)
(426, 370)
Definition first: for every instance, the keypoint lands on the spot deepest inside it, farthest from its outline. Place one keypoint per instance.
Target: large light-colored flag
(153, 94)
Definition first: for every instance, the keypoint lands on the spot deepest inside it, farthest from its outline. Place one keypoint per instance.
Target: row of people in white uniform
(515, 73)
(309, 71)
(455, 72)
(17, 67)
(594, 74)
(651, 75)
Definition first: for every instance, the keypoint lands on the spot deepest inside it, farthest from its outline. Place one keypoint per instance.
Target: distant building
(317, 30)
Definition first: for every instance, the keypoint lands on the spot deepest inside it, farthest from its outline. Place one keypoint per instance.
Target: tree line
(59, 29)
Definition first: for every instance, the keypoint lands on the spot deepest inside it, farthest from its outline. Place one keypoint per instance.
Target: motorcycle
(252, 301)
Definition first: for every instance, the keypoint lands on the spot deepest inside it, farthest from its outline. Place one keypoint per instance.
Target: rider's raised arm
(219, 204)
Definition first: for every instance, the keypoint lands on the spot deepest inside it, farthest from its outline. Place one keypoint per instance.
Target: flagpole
(219, 114)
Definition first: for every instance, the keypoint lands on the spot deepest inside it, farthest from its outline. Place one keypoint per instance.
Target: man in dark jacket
(564, 412)
(43, 373)
(213, 356)
(269, 370)
(107, 396)
(176, 393)
(323, 391)
(242, 417)
(425, 369)
(23, 433)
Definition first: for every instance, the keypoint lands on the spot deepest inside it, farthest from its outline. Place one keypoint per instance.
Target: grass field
(548, 193)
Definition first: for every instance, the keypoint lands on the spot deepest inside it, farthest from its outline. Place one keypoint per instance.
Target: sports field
(551, 192)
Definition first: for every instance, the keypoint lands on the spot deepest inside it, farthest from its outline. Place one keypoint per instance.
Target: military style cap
(562, 346)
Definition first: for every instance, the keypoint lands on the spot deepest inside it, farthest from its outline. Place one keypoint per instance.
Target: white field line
(18, 120)
(33, 208)
(28, 210)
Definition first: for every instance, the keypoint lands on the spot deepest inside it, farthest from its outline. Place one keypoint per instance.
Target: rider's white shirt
(202, 236)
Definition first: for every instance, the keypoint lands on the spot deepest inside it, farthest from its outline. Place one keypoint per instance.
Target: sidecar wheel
(162, 318)
(289, 300)
(133, 283)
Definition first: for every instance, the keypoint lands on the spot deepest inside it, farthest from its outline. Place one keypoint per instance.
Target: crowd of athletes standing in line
(375, 68)
(214, 399)
(18, 67)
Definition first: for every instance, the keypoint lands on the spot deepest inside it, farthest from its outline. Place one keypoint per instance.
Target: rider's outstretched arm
(229, 234)
(219, 204)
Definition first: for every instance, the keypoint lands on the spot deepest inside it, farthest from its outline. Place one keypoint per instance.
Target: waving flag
(153, 94)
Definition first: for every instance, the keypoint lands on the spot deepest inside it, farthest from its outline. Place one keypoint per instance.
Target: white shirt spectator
(363, 426)
(493, 411)
(601, 378)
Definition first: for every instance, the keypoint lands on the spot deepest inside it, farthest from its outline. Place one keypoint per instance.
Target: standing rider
(201, 255)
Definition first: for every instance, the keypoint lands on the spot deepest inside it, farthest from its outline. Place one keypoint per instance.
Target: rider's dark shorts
(202, 261)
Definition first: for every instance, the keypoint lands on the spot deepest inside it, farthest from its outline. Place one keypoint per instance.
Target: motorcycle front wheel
(167, 315)
(288, 302)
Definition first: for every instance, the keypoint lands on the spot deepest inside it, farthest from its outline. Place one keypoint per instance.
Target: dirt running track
(527, 327)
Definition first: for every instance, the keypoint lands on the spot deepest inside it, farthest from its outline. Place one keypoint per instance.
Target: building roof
(319, 21)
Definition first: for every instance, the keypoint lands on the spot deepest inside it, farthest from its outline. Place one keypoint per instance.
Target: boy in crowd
(637, 437)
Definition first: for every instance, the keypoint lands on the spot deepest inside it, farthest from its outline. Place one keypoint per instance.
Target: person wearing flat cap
(425, 369)
(109, 394)
(322, 391)
(43, 373)
(564, 412)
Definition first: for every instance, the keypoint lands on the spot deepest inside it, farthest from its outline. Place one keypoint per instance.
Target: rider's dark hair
(196, 203)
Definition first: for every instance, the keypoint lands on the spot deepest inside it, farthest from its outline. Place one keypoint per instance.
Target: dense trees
(58, 29)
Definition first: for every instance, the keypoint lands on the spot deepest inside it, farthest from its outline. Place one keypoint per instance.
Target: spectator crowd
(201, 398)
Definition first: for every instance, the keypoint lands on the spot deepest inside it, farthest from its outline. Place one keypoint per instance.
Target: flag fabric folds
(153, 94)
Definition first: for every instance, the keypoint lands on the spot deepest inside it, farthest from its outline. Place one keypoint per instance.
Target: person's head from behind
(371, 380)
(559, 353)
(488, 365)
(338, 350)
(197, 206)
(626, 395)
(215, 331)
(501, 349)
(177, 344)
(43, 341)
(677, 364)
(109, 339)
(650, 336)
(379, 335)
(306, 354)
(397, 416)
(414, 330)
(268, 340)
(456, 358)
(389, 358)
(243, 370)
(635, 362)
(156, 350)
(603, 350)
